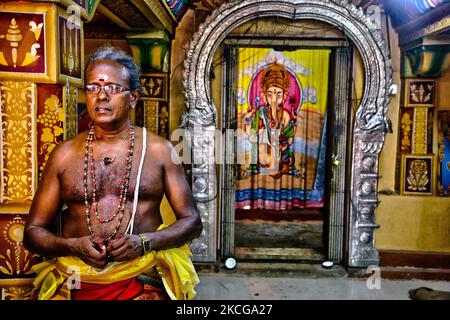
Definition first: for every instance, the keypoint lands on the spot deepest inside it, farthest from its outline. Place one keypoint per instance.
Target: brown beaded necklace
(125, 182)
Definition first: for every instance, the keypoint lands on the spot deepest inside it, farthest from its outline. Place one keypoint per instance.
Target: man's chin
(104, 119)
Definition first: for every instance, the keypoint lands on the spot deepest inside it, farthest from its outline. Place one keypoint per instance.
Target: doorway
(277, 206)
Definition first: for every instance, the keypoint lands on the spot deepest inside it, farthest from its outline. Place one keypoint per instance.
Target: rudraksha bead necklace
(89, 166)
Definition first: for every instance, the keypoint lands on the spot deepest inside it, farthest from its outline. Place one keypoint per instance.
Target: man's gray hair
(121, 57)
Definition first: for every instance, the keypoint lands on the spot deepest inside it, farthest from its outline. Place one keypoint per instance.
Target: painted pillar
(41, 59)
(418, 161)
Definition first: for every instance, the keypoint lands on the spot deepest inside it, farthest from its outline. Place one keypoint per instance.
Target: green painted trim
(153, 52)
(414, 58)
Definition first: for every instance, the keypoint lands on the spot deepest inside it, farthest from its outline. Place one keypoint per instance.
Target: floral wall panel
(50, 121)
(406, 126)
(417, 174)
(163, 119)
(16, 144)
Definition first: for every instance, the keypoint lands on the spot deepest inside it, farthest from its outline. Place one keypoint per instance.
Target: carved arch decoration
(369, 127)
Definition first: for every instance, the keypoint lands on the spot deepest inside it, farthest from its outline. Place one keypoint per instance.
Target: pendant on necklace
(107, 160)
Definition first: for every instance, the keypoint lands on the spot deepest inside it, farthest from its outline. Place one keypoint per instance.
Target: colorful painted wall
(412, 222)
(41, 58)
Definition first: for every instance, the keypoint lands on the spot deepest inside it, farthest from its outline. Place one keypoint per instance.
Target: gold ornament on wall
(51, 121)
(16, 145)
(71, 100)
(70, 48)
(14, 258)
(16, 39)
(418, 176)
(419, 145)
(406, 128)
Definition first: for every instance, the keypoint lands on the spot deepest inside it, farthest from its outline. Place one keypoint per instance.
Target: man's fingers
(98, 243)
(98, 253)
(115, 244)
(117, 252)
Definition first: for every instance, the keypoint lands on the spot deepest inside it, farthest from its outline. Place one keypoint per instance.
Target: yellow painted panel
(413, 223)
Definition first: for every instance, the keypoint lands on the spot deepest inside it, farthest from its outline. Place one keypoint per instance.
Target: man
(95, 175)
(274, 124)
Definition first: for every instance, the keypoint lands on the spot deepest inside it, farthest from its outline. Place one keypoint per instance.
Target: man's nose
(102, 95)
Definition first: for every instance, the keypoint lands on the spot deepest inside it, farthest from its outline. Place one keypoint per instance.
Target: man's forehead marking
(102, 77)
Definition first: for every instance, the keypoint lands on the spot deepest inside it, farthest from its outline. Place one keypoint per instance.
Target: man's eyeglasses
(109, 88)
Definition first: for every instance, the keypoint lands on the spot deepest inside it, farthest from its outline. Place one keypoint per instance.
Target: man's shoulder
(70, 145)
(156, 141)
(157, 146)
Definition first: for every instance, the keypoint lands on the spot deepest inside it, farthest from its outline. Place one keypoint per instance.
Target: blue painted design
(445, 164)
(178, 7)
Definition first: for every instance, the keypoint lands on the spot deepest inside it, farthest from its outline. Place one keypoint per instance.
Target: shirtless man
(98, 162)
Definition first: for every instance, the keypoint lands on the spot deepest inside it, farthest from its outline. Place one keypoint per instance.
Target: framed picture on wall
(417, 174)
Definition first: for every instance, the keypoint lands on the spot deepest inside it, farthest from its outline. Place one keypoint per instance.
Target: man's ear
(134, 97)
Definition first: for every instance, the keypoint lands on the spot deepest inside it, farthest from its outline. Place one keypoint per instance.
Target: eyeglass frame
(123, 89)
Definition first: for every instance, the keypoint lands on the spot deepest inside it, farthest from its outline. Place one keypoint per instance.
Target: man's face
(274, 96)
(104, 107)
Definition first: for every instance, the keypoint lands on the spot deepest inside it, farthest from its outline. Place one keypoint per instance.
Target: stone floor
(313, 285)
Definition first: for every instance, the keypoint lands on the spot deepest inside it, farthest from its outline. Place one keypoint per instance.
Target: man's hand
(126, 248)
(92, 250)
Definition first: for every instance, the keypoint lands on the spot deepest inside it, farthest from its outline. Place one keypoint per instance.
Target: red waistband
(121, 290)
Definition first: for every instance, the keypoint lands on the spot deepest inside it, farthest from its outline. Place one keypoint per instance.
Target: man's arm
(45, 206)
(188, 225)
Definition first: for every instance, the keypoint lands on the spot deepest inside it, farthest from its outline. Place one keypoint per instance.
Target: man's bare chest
(109, 180)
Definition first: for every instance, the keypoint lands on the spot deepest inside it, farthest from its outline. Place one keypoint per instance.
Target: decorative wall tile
(430, 126)
(163, 117)
(70, 48)
(16, 143)
(15, 260)
(154, 86)
(406, 129)
(151, 109)
(417, 174)
(156, 117)
(71, 101)
(419, 93)
(22, 46)
(419, 143)
(17, 292)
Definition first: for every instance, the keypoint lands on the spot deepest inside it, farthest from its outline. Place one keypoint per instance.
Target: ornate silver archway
(369, 127)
